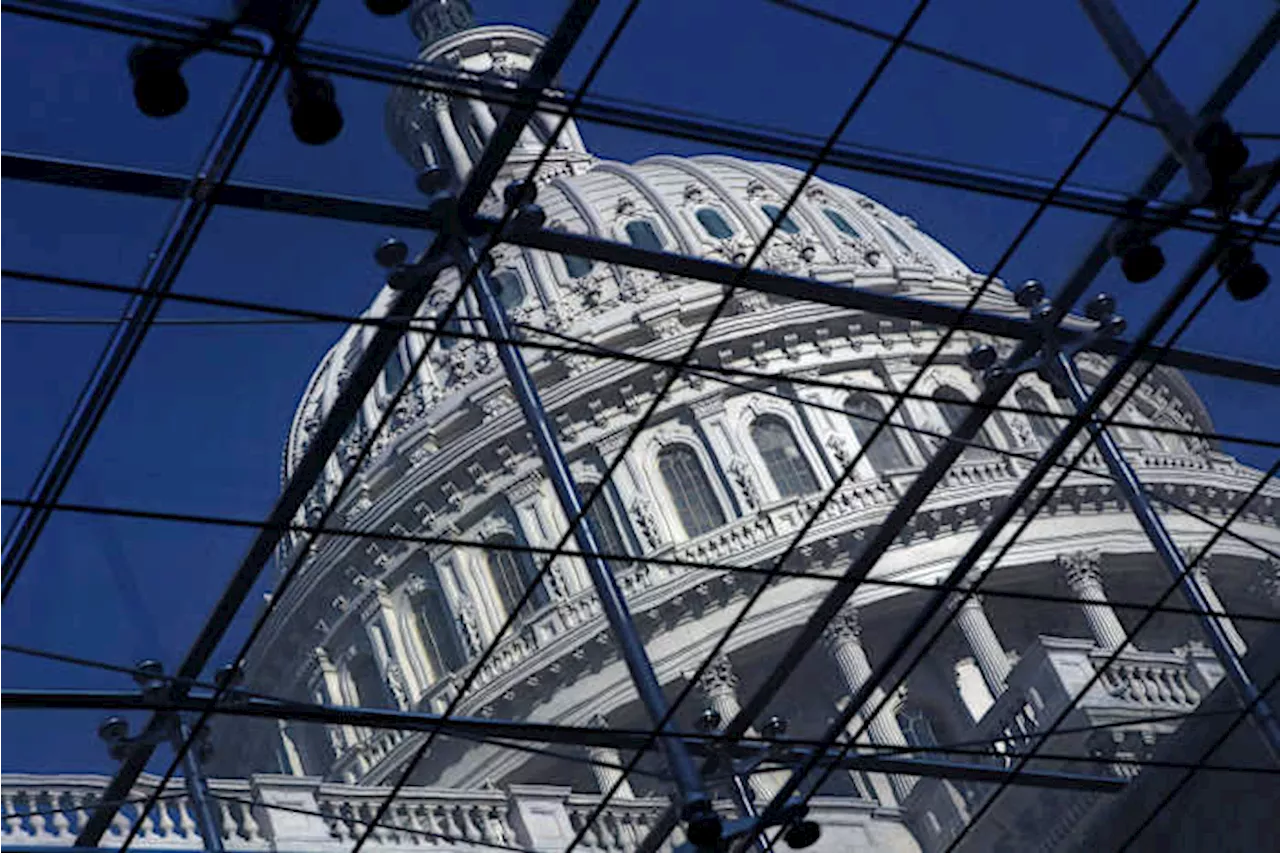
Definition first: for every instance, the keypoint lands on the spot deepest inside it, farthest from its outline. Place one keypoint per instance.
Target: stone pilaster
(1083, 570)
(988, 652)
(1203, 569)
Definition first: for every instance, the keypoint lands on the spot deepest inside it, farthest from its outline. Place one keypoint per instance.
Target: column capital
(719, 677)
(1082, 568)
(844, 627)
(1270, 579)
(1203, 563)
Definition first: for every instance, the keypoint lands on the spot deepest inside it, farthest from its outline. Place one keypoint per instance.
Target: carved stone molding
(844, 627)
(718, 678)
(1082, 569)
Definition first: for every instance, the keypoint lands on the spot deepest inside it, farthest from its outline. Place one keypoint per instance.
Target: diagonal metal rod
(198, 194)
(1163, 544)
(689, 785)
(336, 422)
(782, 750)
(932, 312)
(390, 70)
(946, 455)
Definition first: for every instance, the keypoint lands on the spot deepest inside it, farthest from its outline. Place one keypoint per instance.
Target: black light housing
(1246, 278)
(158, 87)
(313, 107)
(1224, 151)
(1141, 262)
(704, 831)
(386, 8)
(802, 834)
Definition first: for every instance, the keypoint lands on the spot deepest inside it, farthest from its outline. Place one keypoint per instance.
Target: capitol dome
(728, 470)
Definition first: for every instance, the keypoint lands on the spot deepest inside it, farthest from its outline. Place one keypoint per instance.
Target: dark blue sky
(199, 422)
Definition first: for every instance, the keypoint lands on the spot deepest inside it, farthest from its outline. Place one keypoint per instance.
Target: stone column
(453, 143)
(607, 767)
(289, 751)
(1203, 568)
(972, 687)
(843, 639)
(1084, 575)
(988, 653)
(398, 645)
(719, 686)
(1269, 580)
(330, 687)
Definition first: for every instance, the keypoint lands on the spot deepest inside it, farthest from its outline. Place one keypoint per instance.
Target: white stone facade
(390, 622)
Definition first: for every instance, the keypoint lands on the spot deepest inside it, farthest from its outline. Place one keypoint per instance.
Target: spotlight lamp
(1140, 259)
(774, 728)
(1029, 294)
(433, 180)
(801, 834)
(158, 87)
(1100, 307)
(1223, 150)
(313, 109)
(709, 720)
(391, 253)
(114, 732)
(386, 8)
(1246, 278)
(704, 830)
(982, 356)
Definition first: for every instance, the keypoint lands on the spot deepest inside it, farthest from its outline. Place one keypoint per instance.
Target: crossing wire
(1014, 504)
(545, 66)
(584, 346)
(743, 719)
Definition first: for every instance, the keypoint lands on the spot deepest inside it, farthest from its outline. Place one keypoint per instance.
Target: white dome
(709, 206)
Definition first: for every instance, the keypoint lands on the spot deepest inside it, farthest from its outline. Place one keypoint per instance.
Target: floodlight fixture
(158, 87)
(391, 253)
(313, 109)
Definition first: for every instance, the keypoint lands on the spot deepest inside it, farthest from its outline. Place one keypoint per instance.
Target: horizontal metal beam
(50, 170)
(647, 119)
(780, 750)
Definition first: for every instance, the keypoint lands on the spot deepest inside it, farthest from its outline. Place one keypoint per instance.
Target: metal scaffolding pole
(364, 373)
(346, 61)
(692, 792)
(202, 807)
(1129, 484)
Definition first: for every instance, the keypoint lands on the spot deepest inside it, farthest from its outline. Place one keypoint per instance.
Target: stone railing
(290, 813)
(1133, 697)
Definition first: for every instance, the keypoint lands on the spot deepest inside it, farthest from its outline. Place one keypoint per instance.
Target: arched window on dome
(886, 453)
(448, 340)
(787, 225)
(510, 290)
(393, 372)
(954, 408)
(694, 500)
(897, 239)
(1043, 428)
(512, 570)
(608, 533)
(842, 225)
(783, 457)
(713, 223)
(371, 688)
(643, 235)
(577, 266)
(437, 627)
